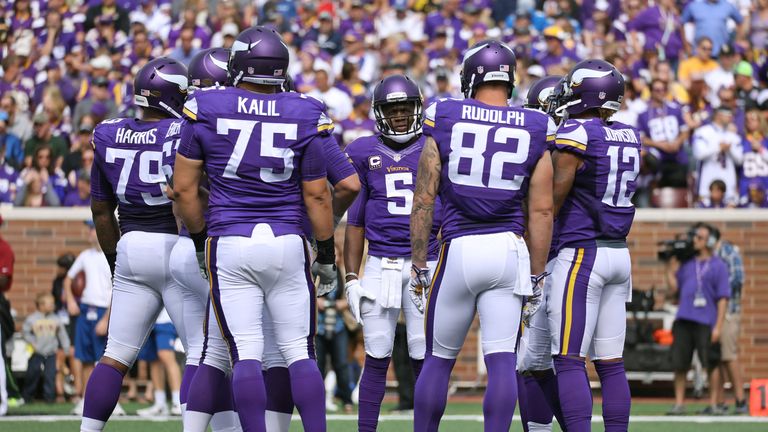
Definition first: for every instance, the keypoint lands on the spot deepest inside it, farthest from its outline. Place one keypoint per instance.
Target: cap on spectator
(536, 71)
(405, 46)
(744, 68)
(84, 175)
(101, 62)
(755, 185)
(471, 9)
(230, 29)
(352, 36)
(106, 19)
(360, 99)
(602, 5)
(325, 15)
(555, 32)
(4, 116)
(40, 118)
(100, 82)
(724, 109)
(52, 65)
(99, 109)
(441, 74)
(400, 5)
(441, 32)
(727, 50)
(357, 3)
(65, 260)
(85, 128)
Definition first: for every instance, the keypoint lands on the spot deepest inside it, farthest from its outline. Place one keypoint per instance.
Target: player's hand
(355, 296)
(716, 334)
(101, 327)
(201, 264)
(328, 277)
(533, 302)
(418, 286)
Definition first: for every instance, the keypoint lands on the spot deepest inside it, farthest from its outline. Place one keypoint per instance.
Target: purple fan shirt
(256, 149)
(488, 155)
(664, 124)
(710, 279)
(364, 26)
(754, 169)
(383, 207)
(349, 130)
(660, 29)
(128, 170)
(599, 205)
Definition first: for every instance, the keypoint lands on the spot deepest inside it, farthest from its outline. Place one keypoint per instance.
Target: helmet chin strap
(403, 138)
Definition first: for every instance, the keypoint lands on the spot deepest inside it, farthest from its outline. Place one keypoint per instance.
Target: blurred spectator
(58, 112)
(14, 82)
(98, 94)
(324, 33)
(358, 19)
(19, 123)
(755, 144)
(664, 132)
(722, 76)
(44, 137)
(186, 49)
(658, 27)
(727, 97)
(758, 27)
(699, 107)
(159, 351)
(107, 8)
(350, 81)
(331, 341)
(226, 37)
(54, 78)
(359, 123)
(10, 144)
(746, 92)
(447, 17)
(719, 151)
(200, 38)
(338, 103)
(91, 309)
(556, 59)
(56, 39)
(696, 67)
(400, 20)
(81, 143)
(45, 332)
(43, 184)
(80, 196)
(710, 19)
(716, 198)
(156, 18)
(756, 196)
(354, 52)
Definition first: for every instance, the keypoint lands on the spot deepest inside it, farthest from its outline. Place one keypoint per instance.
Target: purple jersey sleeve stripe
(571, 143)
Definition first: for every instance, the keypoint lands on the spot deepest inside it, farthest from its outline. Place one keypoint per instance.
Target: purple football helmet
(397, 89)
(540, 93)
(258, 56)
(161, 84)
(593, 84)
(487, 61)
(208, 68)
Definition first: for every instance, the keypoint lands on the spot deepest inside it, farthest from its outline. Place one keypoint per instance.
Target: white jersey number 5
(479, 138)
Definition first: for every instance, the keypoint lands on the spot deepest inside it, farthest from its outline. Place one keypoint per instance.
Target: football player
(213, 403)
(386, 164)
(262, 151)
(596, 162)
(127, 174)
(536, 378)
(486, 160)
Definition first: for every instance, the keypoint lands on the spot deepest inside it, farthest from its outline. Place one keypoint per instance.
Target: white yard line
(458, 417)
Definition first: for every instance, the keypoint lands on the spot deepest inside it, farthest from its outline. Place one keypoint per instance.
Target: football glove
(355, 296)
(201, 264)
(328, 277)
(533, 302)
(418, 286)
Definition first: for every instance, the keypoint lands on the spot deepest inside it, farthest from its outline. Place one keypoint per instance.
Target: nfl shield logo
(480, 69)
(250, 70)
(397, 157)
(601, 95)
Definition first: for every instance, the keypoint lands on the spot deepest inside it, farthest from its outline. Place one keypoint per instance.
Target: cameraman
(703, 288)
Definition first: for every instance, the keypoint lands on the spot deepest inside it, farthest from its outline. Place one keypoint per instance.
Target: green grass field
(460, 417)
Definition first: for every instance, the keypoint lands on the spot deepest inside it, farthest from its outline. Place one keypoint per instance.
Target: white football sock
(278, 421)
(228, 421)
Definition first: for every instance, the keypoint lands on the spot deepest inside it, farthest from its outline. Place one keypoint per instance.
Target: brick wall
(38, 237)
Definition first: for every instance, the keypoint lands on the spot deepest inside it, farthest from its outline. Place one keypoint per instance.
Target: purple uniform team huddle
(469, 206)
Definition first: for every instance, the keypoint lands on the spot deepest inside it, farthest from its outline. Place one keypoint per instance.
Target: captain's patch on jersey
(374, 162)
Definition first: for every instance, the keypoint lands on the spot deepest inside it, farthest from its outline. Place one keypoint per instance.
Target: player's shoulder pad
(100, 132)
(200, 98)
(360, 147)
(572, 133)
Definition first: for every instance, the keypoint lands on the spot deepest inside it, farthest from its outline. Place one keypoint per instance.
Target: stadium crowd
(697, 75)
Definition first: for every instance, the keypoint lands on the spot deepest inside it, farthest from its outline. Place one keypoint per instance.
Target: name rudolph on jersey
(620, 135)
(257, 107)
(471, 112)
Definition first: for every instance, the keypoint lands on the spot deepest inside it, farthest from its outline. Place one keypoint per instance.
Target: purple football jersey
(383, 207)
(599, 206)
(664, 124)
(754, 169)
(129, 156)
(256, 149)
(488, 154)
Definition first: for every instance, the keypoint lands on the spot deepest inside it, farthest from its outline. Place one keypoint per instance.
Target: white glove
(328, 277)
(355, 296)
(533, 302)
(418, 286)
(201, 264)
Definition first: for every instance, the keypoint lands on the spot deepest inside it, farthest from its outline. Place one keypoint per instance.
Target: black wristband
(326, 251)
(111, 260)
(199, 239)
